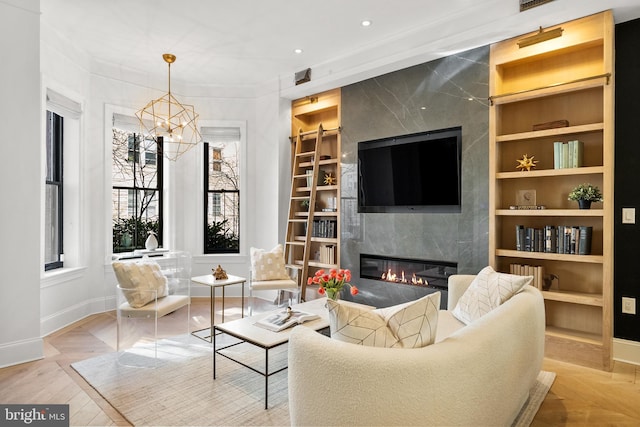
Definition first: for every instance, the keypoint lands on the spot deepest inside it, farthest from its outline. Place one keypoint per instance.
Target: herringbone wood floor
(579, 396)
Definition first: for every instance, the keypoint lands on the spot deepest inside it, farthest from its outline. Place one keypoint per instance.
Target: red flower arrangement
(332, 283)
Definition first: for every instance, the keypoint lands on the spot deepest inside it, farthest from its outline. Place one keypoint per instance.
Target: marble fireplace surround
(444, 93)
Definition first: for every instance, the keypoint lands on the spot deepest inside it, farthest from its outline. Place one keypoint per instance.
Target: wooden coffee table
(246, 331)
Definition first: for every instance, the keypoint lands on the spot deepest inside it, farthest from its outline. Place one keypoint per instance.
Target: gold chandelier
(175, 123)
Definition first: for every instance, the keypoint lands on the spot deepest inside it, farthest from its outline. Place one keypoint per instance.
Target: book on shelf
(326, 228)
(550, 239)
(568, 154)
(520, 237)
(285, 319)
(537, 271)
(526, 207)
(561, 239)
(584, 240)
(327, 254)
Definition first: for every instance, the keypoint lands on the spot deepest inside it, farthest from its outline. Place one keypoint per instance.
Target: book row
(537, 271)
(567, 154)
(559, 239)
(326, 228)
(326, 254)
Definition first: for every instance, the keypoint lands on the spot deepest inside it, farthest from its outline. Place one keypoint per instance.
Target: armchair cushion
(268, 265)
(409, 325)
(141, 282)
(487, 291)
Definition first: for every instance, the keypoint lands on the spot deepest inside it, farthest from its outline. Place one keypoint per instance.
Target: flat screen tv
(419, 172)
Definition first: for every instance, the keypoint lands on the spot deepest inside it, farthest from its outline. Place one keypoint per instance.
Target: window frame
(208, 169)
(139, 159)
(54, 176)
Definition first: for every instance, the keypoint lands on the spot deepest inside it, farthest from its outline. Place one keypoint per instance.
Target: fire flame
(389, 276)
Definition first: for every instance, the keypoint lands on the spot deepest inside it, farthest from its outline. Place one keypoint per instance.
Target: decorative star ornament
(526, 163)
(329, 179)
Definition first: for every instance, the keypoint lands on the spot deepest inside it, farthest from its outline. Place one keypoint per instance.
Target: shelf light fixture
(540, 36)
(174, 122)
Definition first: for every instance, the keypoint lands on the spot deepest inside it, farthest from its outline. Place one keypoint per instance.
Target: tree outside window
(137, 190)
(222, 194)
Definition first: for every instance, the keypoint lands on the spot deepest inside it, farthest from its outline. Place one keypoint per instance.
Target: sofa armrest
(457, 285)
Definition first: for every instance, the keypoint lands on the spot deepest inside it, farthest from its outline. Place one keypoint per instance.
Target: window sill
(61, 275)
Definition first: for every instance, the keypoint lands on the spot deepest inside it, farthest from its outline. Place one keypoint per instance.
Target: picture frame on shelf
(526, 198)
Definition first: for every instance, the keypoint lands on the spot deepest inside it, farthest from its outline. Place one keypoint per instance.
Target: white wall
(20, 176)
(86, 285)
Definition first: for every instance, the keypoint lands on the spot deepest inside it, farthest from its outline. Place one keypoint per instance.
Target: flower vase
(584, 204)
(152, 243)
(333, 294)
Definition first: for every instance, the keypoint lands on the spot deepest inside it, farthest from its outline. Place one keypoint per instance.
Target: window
(221, 190)
(137, 190)
(53, 194)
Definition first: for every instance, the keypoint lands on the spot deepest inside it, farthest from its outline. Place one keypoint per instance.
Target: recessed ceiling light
(297, 51)
(366, 23)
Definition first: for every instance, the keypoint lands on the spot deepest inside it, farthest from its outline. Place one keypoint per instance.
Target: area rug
(177, 388)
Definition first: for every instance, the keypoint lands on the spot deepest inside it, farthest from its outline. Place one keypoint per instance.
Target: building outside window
(54, 255)
(137, 190)
(221, 190)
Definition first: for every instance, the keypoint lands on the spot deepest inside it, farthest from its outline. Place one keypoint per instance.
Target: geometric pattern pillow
(268, 265)
(487, 291)
(141, 281)
(408, 325)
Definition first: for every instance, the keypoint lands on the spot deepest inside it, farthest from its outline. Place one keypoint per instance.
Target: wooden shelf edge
(586, 170)
(582, 298)
(318, 188)
(551, 90)
(551, 212)
(320, 162)
(318, 264)
(536, 134)
(333, 240)
(592, 259)
(572, 335)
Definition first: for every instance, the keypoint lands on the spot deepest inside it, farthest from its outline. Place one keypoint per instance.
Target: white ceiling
(247, 43)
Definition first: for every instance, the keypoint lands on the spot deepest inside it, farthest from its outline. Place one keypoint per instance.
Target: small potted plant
(584, 194)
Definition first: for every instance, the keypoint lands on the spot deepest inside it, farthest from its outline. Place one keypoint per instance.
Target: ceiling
(247, 43)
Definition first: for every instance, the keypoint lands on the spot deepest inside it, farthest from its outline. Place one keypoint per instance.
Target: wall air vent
(530, 4)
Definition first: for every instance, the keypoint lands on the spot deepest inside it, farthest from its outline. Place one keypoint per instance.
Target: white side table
(209, 280)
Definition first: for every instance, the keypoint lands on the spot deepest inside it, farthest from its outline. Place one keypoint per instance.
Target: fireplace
(386, 281)
(406, 271)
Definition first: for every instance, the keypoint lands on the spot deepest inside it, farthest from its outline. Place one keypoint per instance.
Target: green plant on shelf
(586, 192)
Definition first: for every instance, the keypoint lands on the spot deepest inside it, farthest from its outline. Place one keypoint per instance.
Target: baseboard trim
(69, 315)
(626, 351)
(21, 351)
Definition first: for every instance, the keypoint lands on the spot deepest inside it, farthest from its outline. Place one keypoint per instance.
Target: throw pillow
(487, 291)
(268, 265)
(141, 282)
(408, 325)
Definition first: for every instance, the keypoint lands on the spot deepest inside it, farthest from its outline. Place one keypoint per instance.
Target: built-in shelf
(591, 170)
(551, 212)
(564, 81)
(592, 259)
(573, 297)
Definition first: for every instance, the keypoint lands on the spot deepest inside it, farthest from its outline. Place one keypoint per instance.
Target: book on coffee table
(279, 321)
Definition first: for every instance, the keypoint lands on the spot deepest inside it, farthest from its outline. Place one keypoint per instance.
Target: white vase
(152, 243)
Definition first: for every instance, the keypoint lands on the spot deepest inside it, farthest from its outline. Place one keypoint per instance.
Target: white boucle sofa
(474, 375)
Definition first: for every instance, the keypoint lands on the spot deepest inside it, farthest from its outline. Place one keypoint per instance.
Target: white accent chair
(148, 289)
(268, 273)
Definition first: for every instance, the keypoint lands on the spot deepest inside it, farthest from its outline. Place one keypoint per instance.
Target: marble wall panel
(444, 93)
